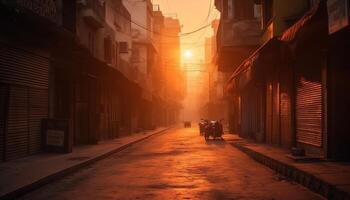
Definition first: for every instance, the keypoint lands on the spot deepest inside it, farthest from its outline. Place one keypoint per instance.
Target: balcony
(94, 13)
(240, 33)
(236, 41)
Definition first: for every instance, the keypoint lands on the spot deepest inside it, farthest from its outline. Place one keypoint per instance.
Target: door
(17, 129)
(269, 113)
(309, 113)
(286, 110)
(93, 110)
(276, 131)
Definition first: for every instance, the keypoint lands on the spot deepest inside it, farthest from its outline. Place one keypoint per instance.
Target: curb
(64, 172)
(304, 178)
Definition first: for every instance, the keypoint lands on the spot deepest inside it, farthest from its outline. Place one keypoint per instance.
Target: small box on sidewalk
(56, 137)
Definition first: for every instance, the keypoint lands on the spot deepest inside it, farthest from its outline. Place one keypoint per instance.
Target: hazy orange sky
(192, 14)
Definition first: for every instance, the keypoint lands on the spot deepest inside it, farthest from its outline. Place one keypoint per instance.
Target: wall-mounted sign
(338, 15)
(56, 136)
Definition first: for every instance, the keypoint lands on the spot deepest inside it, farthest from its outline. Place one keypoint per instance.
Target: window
(91, 42)
(230, 9)
(257, 11)
(108, 50)
(243, 9)
(238, 9)
(135, 56)
(123, 47)
(116, 53)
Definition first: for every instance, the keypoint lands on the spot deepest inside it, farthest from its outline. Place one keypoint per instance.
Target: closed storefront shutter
(38, 110)
(17, 124)
(27, 76)
(286, 120)
(286, 107)
(24, 68)
(276, 135)
(269, 113)
(3, 111)
(309, 113)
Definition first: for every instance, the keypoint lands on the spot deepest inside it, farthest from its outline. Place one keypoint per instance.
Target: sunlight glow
(188, 54)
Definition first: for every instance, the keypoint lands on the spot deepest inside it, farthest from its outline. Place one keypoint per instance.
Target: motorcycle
(202, 126)
(213, 129)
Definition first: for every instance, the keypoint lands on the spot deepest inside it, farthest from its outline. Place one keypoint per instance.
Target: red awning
(309, 25)
(258, 62)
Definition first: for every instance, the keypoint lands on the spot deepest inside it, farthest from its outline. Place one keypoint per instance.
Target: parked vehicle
(202, 125)
(187, 124)
(213, 129)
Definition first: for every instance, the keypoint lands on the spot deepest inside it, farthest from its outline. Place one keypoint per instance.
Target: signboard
(56, 136)
(338, 15)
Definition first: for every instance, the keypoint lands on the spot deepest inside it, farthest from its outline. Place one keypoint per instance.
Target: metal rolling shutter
(309, 113)
(27, 75)
(23, 68)
(38, 110)
(276, 137)
(3, 100)
(17, 124)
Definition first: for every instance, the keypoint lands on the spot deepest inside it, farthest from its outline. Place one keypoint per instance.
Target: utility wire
(175, 36)
(152, 31)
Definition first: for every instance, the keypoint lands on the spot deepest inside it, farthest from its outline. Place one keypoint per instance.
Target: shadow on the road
(217, 142)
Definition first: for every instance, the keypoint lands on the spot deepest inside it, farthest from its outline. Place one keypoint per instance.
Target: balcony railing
(241, 33)
(98, 6)
(94, 12)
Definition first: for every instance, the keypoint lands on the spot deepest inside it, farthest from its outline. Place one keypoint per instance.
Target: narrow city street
(178, 164)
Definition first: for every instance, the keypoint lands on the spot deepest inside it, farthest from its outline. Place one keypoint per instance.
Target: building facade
(24, 76)
(296, 73)
(238, 36)
(73, 61)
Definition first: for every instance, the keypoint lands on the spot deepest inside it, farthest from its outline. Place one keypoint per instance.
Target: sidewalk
(23, 175)
(330, 179)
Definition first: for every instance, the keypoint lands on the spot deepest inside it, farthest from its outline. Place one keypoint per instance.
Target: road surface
(178, 164)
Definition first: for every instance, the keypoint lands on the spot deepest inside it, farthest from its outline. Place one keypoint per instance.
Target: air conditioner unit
(123, 47)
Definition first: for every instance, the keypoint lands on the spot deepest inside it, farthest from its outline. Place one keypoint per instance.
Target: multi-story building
(64, 60)
(261, 84)
(337, 80)
(143, 55)
(238, 36)
(36, 78)
(238, 33)
(174, 80)
(217, 108)
(158, 71)
(287, 89)
(25, 63)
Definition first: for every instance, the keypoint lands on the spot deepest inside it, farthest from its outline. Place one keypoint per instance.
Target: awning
(312, 26)
(230, 58)
(259, 63)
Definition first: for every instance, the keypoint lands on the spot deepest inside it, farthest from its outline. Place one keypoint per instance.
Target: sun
(188, 54)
